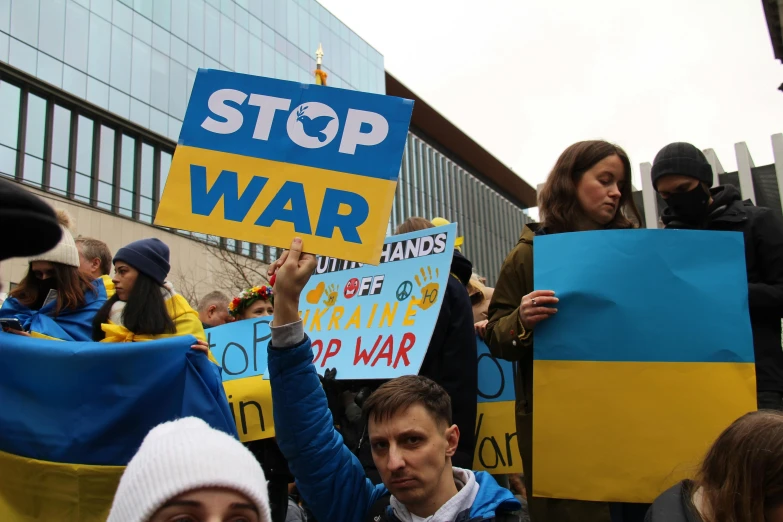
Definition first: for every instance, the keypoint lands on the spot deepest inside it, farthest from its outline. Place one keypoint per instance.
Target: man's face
(675, 184)
(412, 453)
(88, 267)
(215, 315)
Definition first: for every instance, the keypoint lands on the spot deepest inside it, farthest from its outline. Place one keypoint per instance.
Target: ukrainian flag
(73, 414)
(648, 359)
(68, 325)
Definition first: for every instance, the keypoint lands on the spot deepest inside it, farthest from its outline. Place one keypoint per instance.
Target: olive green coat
(502, 337)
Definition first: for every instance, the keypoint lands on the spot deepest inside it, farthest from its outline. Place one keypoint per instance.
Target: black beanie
(148, 256)
(683, 159)
(30, 226)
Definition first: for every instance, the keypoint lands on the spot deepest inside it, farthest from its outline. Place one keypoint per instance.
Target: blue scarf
(68, 325)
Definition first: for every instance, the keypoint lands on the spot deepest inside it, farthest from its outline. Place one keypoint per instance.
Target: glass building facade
(433, 185)
(96, 93)
(134, 62)
(138, 58)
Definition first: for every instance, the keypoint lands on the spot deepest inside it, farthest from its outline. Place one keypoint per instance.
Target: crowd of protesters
(417, 457)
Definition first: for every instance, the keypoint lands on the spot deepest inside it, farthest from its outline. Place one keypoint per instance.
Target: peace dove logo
(312, 125)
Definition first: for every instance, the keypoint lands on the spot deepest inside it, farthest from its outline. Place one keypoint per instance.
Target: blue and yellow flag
(73, 414)
(649, 357)
(68, 325)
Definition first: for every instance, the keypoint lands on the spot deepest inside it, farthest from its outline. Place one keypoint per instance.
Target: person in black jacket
(451, 356)
(683, 177)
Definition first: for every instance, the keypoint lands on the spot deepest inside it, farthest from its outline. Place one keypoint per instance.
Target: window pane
(159, 96)
(58, 180)
(165, 165)
(7, 161)
(161, 13)
(120, 57)
(145, 210)
(33, 172)
(226, 41)
(245, 248)
(61, 133)
(212, 32)
(195, 33)
(106, 168)
(36, 124)
(100, 48)
(141, 65)
(126, 175)
(82, 188)
(147, 164)
(52, 27)
(84, 147)
(9, 108)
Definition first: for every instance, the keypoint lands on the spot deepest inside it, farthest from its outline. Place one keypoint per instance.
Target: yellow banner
(250, 400)
(606, 445)
(497, 448)
(264, 201)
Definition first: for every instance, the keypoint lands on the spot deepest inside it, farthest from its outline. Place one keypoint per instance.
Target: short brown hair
(95, 248)
(413, 224)
(742, 474)
(558, 201)
(403, 392)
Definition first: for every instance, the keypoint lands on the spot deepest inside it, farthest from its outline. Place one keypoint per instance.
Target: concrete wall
(193, 268)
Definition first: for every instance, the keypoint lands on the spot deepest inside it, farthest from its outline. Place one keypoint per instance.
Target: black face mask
(690, 206)
(44, 286)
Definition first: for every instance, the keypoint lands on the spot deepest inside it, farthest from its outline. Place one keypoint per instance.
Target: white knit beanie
(65, 251)
(180, 456)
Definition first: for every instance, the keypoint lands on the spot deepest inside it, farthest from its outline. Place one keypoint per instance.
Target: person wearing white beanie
(186, 470)
(54, 300)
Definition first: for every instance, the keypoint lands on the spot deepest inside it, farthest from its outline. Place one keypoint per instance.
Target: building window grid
(118, 178)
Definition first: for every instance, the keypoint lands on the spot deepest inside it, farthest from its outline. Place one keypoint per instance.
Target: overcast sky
(526, 78)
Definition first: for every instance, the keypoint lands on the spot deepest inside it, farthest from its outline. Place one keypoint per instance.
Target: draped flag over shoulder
(69, 325)
(73, 414)
(649, 358)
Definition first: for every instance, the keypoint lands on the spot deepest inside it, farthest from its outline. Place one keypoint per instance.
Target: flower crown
(250, 296)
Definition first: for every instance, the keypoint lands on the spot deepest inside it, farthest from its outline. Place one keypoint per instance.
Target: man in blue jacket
(409, 426)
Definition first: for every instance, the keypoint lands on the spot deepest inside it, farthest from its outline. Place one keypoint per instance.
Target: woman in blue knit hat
(145, 306)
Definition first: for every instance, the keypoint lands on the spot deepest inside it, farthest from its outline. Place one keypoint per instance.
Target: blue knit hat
(148, 256)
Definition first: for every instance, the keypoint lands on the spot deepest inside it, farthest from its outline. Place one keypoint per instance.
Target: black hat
(148, 256)
(30, 226)
(683, 159)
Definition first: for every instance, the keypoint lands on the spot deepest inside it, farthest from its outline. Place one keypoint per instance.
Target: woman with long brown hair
(589, 188)
(55, 300)
(740, 480)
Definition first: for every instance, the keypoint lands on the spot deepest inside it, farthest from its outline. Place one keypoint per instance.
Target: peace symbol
(404, 290)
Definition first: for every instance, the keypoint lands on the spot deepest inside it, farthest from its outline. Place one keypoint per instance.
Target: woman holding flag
(145, 306)
(54, 300)
(589, 188)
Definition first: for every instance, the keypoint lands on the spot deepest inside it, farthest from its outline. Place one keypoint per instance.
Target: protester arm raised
(330, 478)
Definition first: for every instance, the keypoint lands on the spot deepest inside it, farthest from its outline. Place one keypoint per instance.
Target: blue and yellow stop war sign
(264, 160)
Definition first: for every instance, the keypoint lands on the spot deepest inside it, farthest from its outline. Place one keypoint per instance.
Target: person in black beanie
(683, 177)
(145, 306)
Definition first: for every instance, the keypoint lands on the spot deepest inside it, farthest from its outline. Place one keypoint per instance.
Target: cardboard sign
(648, 359)
(497, 447)
(263, 160)
(368, 322)
(375, 322)
(241, 350)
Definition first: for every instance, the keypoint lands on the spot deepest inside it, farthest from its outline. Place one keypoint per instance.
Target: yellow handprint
(429, 294)
(314, 295)
(331, 295)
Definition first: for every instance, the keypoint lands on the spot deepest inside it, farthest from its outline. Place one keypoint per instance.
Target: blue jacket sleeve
(331, 479)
